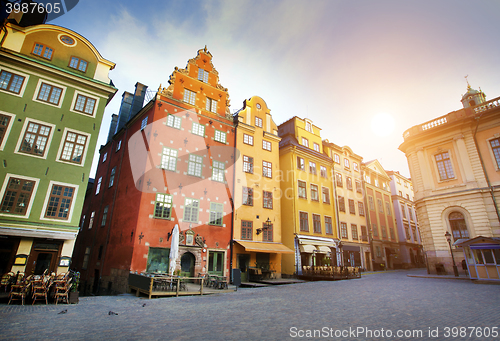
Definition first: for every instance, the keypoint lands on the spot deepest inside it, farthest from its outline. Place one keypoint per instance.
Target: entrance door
(43, 261)
(187, 264)
(243, 263)
(216, 263)
(368, 261)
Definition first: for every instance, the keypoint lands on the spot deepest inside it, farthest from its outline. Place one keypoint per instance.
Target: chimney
(125, 107)
(138, 101)
(112, 127)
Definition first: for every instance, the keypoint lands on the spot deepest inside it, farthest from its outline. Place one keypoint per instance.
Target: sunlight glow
(382, 124)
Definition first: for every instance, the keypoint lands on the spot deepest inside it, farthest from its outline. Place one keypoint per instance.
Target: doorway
(243, 264)
(187, 264)
(216, 263)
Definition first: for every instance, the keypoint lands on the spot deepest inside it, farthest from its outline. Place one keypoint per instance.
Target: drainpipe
(231, 200)
(336, 211)
(367, 214)
(484, 168)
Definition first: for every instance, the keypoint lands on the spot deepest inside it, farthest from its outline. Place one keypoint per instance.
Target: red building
(166, 163)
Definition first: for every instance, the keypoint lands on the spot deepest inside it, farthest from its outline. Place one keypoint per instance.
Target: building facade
(257, 194)
(307, 197)
(170, 163)
(54, 86)
(383, 234)
(406, 221)
(455, 168)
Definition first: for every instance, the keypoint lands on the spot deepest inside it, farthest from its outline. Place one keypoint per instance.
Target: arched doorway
(458, 225)
(187, 264)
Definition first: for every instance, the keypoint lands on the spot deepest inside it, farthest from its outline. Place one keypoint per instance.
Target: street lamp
(448, 238)
(341, 254)
(267, 225)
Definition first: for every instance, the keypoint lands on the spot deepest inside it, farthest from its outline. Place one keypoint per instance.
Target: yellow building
(455, 168)
(257, 247)
(380, 217)
(350, 207)
(307, 201)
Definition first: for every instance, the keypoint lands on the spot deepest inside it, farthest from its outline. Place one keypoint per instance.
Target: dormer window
(43, 51)
(78, 64)
(309, 127)
(203, 75)
(189, 96)
(211, 105)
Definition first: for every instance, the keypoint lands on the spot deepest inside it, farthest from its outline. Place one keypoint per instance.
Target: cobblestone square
(381, 303)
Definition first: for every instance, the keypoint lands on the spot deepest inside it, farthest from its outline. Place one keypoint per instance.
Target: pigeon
(63, 311)
(112, 313)
(144, 305)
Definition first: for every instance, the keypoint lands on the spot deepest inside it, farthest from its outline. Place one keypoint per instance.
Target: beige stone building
(455, 168)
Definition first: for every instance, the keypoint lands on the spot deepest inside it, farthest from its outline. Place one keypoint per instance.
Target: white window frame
(211, 105)
(218, 209)
(98, 186)
(174, 121)
(305, 142)
(347, 163)
(61, 147)
(32, 198)
(198, 129)
(189, 97)
(355, 166)
(61, 100)
(436, 169)
(166, 157)
(8, 129)
(248, 139)
(203, 75)
(316, 147)
(336, 158)
(23, 87)
(220, 136)
(193, 161)
(189, 201)
(23, 132)
(218, 171)
(47, 197)
(258, 122)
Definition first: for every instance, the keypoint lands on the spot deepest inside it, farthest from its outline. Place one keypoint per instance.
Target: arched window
(458, 225)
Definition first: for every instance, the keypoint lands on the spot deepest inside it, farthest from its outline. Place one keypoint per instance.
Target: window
(314, 192)
(406, 184)
(408, 196)
(392, 234)
(354, 231)
(220, 136)
(364, 235)
(316, 147)
(343, 230)
(191, 210)
(266, 145)
(380, 207)
(248, 139)
(410, 213)
(368, 179)
(86, 257)
(376, 182)
(104, 216)
(375, 230)
(268, 199)
(384, 231)
(312, 167)
(91, 220)
(258, 122)
(400, 193)
(78, 64)
(326, 195)
(458, 225)
(346, 163)
(169, 159)
(247, 196)
(203, 75)
(112, 177)
(247, 164)
(11, 82)
(336, 158)
(361, 208)
(4, 125)
(163, 206)
(338, 178)
(35, 139)
(378, 251)
(444, 166)
(388, 208)
(328, 225)
(358, 186)
(305, 142)
(341, 204)
(218, 171)
(118, 146)
(267, 234)
(60, 200)
(43, 51)
(144, 123)
(302, 190)
(175, 122)
(403, 211)
(211, 105)
(407, 232)
(300, 163)
(309, 127)
(216, 213)
(195, 165)
(317, 223)
(371, 203)
(323, 172)
(267, 169)
(49, 93)
(98, 187)
(17, 196)
(352, 206)
(246, 230)
(304, 223)
(348, 182)
(355, 166)
(104, 157)
(495, 147)
(189, 97)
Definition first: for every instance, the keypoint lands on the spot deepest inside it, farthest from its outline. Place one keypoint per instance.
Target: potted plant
(73, 292)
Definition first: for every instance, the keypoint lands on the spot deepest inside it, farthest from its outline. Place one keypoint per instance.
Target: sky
(362, 71)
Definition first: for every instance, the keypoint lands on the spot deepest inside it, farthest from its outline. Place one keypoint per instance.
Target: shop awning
(307, 248)
(480, 242)
(323, 249)
(265, 247)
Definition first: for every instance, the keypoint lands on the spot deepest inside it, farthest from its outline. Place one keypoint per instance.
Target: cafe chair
(41, 289)
(19, 291)
(62, 292)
